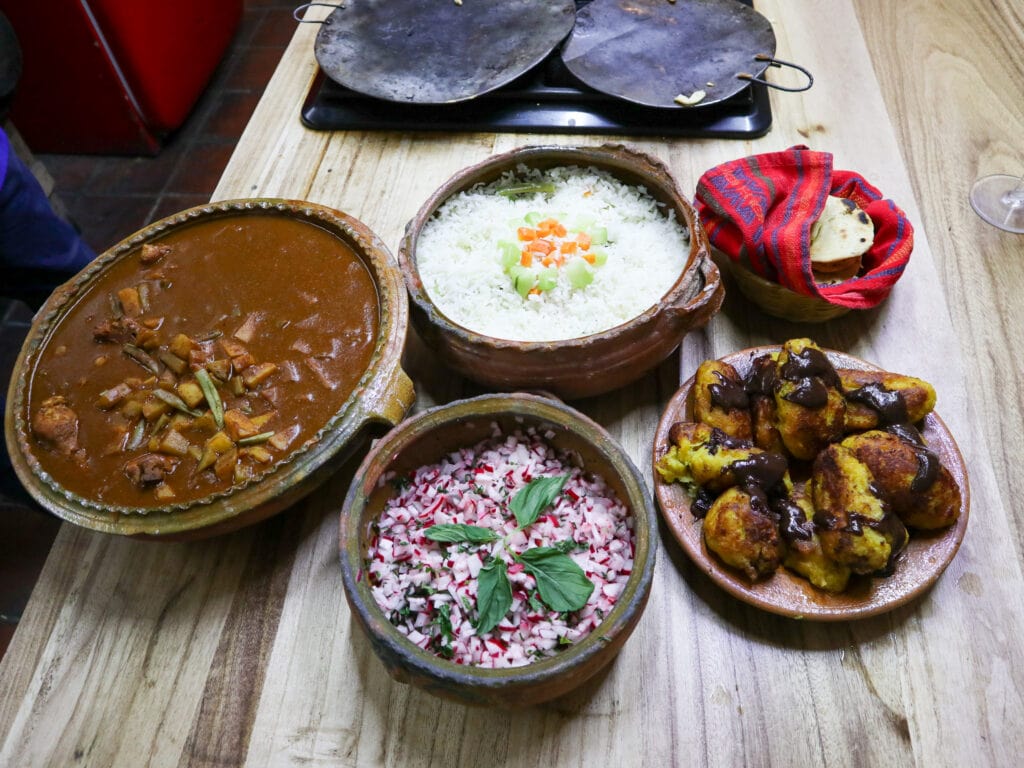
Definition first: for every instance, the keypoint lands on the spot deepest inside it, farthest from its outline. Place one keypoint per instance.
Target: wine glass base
(999, 200)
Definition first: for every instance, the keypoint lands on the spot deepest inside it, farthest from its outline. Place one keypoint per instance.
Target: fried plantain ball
(741, 530)
(803, 545)
(720, 399)
(855, 526)
(763, 417)
(810, 408)
(761, 382)
(910, 477)
(877, 398)
(705, 456)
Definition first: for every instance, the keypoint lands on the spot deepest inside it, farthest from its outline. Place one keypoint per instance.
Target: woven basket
(782, 302)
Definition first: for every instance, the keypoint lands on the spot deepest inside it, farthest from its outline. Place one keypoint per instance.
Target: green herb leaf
(562, 584)
(535, 604)
(527, 188)
(458, 532)
(566, 546)
(444, 623)
(493, 596)
(534, 497)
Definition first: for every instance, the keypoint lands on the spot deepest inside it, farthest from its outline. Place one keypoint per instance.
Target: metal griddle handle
(297, 14)
(773, 62)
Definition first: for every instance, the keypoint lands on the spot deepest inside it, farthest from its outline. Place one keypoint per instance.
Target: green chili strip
(138, 435)
(176, 402)
(143, 289)
(142, 358)
(212, 396)
(115, 307)
(262, 437)
(162, 422)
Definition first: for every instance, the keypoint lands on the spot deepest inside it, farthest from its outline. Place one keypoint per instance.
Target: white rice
(415, 580)
(459, 260)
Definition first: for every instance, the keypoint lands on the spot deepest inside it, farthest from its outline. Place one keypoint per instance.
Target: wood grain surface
(241, 650)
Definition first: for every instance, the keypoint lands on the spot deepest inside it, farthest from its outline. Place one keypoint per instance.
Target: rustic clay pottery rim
(424, 439)
(382, 396)
(585, 365)
(786, 593)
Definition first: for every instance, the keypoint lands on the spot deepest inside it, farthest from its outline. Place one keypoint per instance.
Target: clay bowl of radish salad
(497, 551)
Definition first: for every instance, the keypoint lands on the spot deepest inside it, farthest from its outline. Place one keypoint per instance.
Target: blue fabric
(38, 249)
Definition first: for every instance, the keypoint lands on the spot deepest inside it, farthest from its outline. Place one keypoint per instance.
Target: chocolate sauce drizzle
(888, 404)
(727, 394)
(793, 523)
(812, 375)
(763, 470)
(763, 378)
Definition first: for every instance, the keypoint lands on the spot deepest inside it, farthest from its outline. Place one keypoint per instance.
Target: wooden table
(241, 649)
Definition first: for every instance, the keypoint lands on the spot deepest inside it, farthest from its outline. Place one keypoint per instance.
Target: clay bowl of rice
(572, 270)
(497, 551)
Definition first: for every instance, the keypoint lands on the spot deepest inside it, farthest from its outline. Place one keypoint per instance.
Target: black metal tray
(547, 99)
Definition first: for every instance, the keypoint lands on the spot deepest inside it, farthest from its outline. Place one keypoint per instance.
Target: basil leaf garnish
(563, 586)
(459, 532)
(535, 604)
(493, 595)
(534, 497)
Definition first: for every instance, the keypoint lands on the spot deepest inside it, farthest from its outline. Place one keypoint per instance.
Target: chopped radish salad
(429, 589)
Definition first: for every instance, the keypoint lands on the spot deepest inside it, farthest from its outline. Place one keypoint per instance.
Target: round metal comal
(437, 51)
(651, 51)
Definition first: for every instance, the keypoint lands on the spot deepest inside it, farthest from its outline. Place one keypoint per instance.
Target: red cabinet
(114, 76)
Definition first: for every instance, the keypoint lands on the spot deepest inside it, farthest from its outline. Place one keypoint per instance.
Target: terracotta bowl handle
(392, 400)
(707, 300)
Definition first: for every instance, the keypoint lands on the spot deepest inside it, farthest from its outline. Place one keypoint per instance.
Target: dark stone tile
(252, 17)
(11, 338)
(107, 219)
(171, 204)
(200, 169)
(134, 175)
(210, 96)
(70, 171)
(228, 116)
(26, 536)
(185, 135)
(252, 71)
(276, 28)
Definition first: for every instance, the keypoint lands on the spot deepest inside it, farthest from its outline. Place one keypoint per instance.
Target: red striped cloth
(758, 210)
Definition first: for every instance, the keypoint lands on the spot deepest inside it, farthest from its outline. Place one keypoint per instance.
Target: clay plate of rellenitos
(784, 592)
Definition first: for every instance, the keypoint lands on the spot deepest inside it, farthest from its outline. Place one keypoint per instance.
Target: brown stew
(202, 360)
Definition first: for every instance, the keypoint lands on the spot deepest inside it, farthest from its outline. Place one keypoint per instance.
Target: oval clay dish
(786, 593)
(586, 365)
(285, 230)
